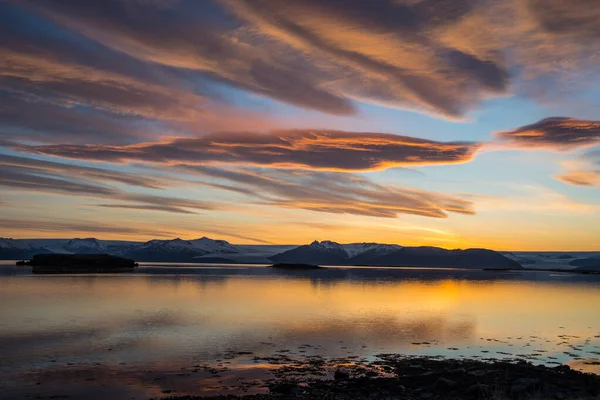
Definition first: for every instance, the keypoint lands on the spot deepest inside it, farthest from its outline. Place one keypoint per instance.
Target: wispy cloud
(99, 174)
(434, 56)
(309, 149)
(79, 226)
(338, 193)
(64, 181)
(554, 133)
(582, 171)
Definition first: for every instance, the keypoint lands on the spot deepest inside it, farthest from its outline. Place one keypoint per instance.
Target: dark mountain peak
(331, 253)
(324, 252)
(427, 256)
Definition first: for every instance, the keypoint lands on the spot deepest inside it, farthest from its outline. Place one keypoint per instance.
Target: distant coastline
(206, 250)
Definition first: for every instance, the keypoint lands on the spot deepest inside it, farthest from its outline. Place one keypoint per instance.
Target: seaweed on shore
(421, 378)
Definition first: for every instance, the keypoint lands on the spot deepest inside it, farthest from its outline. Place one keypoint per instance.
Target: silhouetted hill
(437, 257)
(331, 253)
(326, 252)
(587, 263)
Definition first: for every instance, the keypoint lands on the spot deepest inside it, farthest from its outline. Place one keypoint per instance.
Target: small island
(80, 263)
(295, 266)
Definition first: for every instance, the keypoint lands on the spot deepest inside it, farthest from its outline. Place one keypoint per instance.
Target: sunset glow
(284, 122)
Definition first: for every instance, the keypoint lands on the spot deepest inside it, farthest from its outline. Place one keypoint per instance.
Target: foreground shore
(422, 378)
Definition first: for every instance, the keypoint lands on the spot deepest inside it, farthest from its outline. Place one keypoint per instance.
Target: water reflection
(140, 330)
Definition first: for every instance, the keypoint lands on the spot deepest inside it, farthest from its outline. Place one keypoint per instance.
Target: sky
(452, 123)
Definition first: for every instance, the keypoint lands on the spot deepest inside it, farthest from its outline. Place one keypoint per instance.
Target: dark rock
(477, 372)
(341, 374)
(477, 389)
(80, 263)
(523, 385)
(445, 383)
(285, 388)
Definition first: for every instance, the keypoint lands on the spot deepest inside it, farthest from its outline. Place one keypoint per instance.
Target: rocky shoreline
(421, 378)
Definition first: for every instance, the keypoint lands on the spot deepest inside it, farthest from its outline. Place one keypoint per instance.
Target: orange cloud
(44, 72)
(581, 178)
(296, 149)
(554, 133)
(583, 171)
(336, 193)
(54, 178)
(437, 57)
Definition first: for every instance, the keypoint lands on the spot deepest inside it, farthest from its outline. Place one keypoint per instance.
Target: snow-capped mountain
(11, 249)
(331, 252)
(215, 246)
(318, 252)
(354, 249)
(12, 244)
(179, 250)
(176, 250)
(85, 246)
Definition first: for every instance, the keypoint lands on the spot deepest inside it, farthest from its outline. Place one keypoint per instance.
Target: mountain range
(374, 254)
(220, 251)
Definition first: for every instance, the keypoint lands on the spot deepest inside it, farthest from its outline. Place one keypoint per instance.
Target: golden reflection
(497, 307)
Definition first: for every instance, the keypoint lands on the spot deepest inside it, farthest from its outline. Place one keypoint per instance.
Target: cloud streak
(583, 171)
(99, 174)
(183, 35)
(78, 226)
(67, 181)
(338, 193)
(435, 56)
(301, 149)
(556, 133)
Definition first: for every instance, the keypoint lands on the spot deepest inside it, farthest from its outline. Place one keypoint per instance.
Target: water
(137, 335)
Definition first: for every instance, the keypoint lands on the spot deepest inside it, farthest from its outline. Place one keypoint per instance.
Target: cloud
(120, 71)
(41, 166)
(146, 208)
(195, 36)
(581, 178)
(54, 122)
(63, 181)
(441, 57)
(288, 187)
(554, 133)
(23, 179)
(82, 92)
(300, 149)
(583, 171)
(386, 52)
(578, 18)
(337, 193)
(47, 76)
(78, 226)
(537, 199)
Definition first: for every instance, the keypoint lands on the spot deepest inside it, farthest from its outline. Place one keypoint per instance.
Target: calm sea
(162, 329)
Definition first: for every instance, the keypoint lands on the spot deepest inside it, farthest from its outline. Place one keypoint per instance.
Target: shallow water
(137, 335)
